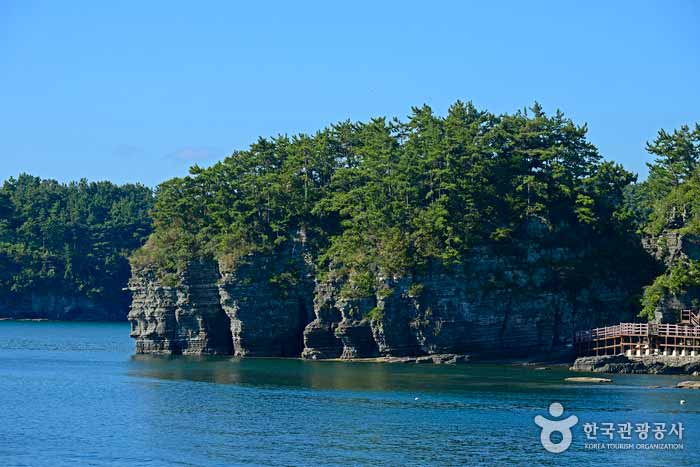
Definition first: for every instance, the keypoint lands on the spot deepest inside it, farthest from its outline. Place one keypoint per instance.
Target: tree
(677, 155)
(70, 239)
(385, 198)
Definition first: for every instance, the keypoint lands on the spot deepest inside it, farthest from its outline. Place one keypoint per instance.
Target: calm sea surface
(73, 394)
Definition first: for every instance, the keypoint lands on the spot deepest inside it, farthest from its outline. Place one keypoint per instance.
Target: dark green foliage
(384, 198)
(677, 155)
(669, 200)
(72, 239)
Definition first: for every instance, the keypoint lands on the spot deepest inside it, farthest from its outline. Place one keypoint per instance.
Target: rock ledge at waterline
(652, 364)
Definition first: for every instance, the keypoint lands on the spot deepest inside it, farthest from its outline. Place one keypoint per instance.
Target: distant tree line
(69, 239)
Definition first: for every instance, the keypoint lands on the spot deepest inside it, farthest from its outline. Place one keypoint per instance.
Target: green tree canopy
(71, 239)
(386, 196)
(669, 201)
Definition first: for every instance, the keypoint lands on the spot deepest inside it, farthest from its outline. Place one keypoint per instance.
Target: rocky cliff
(268, 299)
(676, 248)
(257, 308)
(494, 304)
(182, 318)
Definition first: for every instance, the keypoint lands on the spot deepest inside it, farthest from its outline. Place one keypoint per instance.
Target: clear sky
(138, 91)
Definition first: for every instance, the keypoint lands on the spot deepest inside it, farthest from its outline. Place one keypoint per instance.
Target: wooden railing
(690, 317)
(643, 338)
(637, 330)
(676, 330)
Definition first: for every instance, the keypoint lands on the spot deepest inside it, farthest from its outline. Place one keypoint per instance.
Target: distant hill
(64, 247)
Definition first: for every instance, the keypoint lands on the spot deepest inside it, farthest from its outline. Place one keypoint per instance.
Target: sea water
(74, 394)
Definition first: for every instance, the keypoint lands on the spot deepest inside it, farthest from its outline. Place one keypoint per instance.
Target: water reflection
(455, 413)
(347, 375)
(272, 372)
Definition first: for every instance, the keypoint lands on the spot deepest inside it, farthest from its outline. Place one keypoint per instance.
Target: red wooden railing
(636, 336)
(690, 317)
(638, 330)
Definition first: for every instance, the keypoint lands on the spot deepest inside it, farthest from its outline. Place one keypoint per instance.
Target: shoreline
(647, 364)
(25, 320)
(611, 364)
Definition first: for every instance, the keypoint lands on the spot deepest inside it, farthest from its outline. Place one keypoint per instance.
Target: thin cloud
(193, 154)
(127, 151)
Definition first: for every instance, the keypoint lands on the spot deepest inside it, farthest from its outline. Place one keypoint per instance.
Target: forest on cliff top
(384, 198)
(370, 199)
(390, 195)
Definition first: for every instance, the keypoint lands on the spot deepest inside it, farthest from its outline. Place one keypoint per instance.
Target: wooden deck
(642, 338)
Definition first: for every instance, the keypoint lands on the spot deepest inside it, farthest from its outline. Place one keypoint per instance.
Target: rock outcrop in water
(268, 299)
(472, 233)
(184, 318)
(492, 305)
(496, 306)
(259, 308)
(649, 364)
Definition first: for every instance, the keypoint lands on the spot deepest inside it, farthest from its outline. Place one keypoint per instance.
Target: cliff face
(268, 301)
(186, 318)
(320, 341)
(259, 308)
(341, 328)
(494, 304)
(673, 247)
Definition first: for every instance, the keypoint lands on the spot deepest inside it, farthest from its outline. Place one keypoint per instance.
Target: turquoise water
(73, 394)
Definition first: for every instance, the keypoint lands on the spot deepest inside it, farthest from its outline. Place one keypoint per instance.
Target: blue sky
(138, 91)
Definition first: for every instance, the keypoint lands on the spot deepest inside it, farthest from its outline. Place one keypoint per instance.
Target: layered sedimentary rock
(184, 318)
(341, 327)
(268, 299)
(673, 247)
(493, 305)
(320, 341)
(257, 308)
